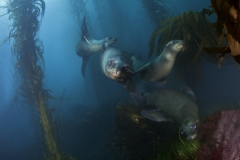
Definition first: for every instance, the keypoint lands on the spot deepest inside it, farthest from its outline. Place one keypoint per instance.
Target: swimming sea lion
(159, 68)
(175, 106)
(117, 65)
(88, 45)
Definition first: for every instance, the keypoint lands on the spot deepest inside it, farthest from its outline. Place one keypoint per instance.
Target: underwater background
(82, 111)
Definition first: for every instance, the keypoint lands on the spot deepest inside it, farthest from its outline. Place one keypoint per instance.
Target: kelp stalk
(28, 49)
(49, 140)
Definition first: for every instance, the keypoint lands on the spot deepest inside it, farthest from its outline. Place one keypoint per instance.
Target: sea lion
(88, 45)
(117, 65)
(159, 68)
(174, 106)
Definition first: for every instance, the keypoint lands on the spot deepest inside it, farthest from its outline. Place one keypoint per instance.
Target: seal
(87, 46)
(117, 65)
(173, 105)
(159, 68)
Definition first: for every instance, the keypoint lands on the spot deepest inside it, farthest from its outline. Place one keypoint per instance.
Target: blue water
(85, 116)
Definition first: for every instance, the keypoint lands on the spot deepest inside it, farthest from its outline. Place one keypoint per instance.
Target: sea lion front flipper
(188, 91)
(137, 64)
(85, 60)
(85, 34)
(156, 115)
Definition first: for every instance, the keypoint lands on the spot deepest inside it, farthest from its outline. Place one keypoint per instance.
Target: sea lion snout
(175, 46)
(120, 64)
(179, 44)
(189, 130)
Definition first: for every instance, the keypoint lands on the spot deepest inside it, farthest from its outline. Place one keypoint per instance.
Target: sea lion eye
(110, 63)
(182, 131)
(193, 127)
(127, 68)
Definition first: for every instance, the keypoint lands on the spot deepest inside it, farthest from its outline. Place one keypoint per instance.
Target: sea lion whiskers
(180, 45)
(179, 135)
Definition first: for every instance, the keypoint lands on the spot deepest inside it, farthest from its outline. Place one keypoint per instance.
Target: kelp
(140, 138)
(27, 48)
(157, 10)
(199, 33)
(228, 25)
(193, 27)
(26, 16)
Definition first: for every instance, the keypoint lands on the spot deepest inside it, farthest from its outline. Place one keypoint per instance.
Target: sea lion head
(174, 46)
(189, 128)
(118, 69)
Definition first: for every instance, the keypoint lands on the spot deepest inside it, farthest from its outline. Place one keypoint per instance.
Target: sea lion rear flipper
(85, 34)
(85, 60)
(156, 115)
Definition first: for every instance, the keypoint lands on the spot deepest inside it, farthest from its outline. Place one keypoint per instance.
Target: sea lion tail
(84, 28)
(85, 60)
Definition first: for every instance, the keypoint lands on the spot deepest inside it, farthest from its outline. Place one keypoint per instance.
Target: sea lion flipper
(85, 34)
(188, 91)
(85, 60)
(156, 115)
(137, 64)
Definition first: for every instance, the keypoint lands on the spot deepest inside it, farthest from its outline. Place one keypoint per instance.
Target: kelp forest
(26, 16)
(100, 119)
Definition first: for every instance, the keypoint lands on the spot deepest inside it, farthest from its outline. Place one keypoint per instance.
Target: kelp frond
(228, 24)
